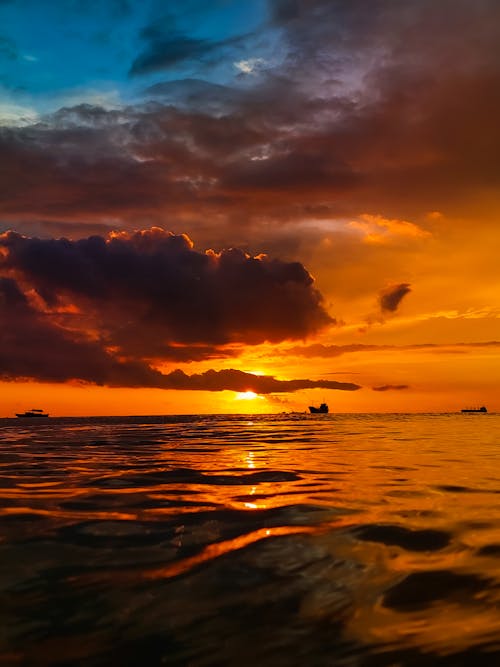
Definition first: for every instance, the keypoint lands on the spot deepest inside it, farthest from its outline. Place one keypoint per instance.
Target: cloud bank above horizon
(108, 310)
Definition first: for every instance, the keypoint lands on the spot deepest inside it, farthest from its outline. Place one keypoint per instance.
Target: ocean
(292, 539)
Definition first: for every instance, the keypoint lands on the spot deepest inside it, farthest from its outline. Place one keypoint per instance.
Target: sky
(222, 206)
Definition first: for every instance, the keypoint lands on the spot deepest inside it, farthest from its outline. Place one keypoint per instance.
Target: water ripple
(356, 540)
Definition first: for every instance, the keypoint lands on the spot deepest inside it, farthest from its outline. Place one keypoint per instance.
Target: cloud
(391, 296)
(191, 93)
(168, 48)
(359, 115)
(377, 229)
(250, 66)
(163, 52)
(318, 350)
(146, 297)
(390, 387)
(12, 114)
(235, 380)
(34, 346)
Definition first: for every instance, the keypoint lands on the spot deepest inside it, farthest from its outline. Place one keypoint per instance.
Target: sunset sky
(249, 206)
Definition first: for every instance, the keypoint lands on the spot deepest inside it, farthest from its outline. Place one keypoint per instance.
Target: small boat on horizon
(34, 412)
(323, 409)
(481, 409)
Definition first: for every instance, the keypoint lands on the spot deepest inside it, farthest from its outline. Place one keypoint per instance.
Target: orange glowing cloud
(377, 229)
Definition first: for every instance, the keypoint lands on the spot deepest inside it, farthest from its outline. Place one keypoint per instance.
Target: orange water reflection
(353, 516)
(220, 548)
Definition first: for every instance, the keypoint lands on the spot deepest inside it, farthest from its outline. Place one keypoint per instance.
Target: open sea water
(370, 540)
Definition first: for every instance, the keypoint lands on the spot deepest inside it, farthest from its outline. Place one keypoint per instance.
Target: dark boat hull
(318, 411)
(27, 415)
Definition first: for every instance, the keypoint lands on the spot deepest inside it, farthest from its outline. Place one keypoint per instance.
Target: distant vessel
(481, 409)
(323, 409)
(34, 412)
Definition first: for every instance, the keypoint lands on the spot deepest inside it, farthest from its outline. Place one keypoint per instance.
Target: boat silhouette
(323, 409)
(481, 409)
(34, 412)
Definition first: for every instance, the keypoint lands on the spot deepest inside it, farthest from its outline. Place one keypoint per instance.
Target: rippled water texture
(276, 540)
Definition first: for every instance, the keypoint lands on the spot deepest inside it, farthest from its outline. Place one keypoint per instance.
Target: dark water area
(369, 540)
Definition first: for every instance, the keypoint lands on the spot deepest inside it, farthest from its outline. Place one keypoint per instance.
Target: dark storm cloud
(369, 102)
(305, 170)
(188, 94)
(425, 110)
(35, 344)
(390, 387)
(91, 161)
(163, 51)
(166, 49)
(150, 295)
(391, 296)
(417, 60)
(240, 381)
(33, 347)
(87, 162)
(283, 11)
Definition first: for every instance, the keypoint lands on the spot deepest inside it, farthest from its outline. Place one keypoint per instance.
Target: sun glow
(246, 396)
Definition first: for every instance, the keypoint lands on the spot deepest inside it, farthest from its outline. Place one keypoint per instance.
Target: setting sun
(246, 396)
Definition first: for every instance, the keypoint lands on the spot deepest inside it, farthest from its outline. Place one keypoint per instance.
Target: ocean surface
(294, 539)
